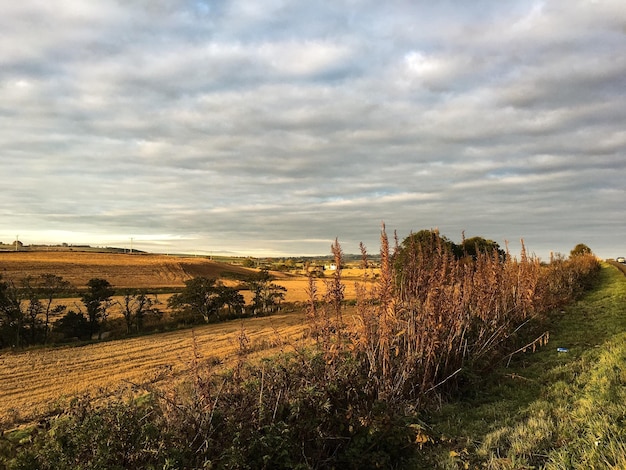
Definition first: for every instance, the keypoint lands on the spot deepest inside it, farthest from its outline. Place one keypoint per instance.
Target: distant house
(330, 267)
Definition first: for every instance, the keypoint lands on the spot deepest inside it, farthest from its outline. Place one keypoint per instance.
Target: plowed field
(147, 271)
(121, 270)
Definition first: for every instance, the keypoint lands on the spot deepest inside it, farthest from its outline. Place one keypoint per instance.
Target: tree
(233, 300)
(475, 245)
(97, 301)
(580, 249)
(266, 296)
(203, 297)
(23, 306)
(426, 243)
(41, 292)
(49, 286)
(424, 249)
(73, 325)
(11, 314)
(136, 305)
(249, 263)
(34, 309)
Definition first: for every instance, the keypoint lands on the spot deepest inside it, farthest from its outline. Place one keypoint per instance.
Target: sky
(274, 127)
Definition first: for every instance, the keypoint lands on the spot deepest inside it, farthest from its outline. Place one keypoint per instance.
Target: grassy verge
(550, 409)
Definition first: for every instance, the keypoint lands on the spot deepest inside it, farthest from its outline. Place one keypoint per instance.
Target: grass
(548, 409)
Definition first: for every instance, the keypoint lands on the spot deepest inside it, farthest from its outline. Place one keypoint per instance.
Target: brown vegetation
(437, 314)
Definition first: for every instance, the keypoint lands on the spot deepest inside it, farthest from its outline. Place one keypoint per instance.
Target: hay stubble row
(32, 381)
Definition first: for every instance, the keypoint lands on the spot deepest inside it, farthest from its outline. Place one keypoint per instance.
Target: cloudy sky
(270, 127)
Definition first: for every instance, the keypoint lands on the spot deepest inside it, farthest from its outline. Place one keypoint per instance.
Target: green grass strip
(549, 409)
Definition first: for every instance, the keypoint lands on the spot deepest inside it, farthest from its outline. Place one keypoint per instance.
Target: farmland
(121, 270)
(158, 272)
(32, 381)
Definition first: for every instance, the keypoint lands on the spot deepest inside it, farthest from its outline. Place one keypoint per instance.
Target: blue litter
(563, 350)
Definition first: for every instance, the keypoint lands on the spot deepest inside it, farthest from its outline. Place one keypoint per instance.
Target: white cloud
(302, 58)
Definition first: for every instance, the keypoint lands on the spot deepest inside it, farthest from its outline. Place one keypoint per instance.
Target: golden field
(32, 381)
(121, 270)
(145, 270)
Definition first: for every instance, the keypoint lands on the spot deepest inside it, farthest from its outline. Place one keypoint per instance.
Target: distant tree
(48, 287)
(135, 307)
(97, 301)
(24, 306)
(12, 316)
(34, 309)
(266, 296)
(232, 299)
(249, 262)
(313, 270)
(475, 245)
(202, 297)
(30, 306)
(580, 249)
(73, 325)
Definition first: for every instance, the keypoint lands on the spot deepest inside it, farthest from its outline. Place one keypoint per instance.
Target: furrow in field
(32, 380)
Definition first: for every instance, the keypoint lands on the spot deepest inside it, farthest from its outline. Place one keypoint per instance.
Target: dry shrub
(564, 278)
(432, 315)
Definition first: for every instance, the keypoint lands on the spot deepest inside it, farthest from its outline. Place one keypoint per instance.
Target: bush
(72, 325)
(119, 435)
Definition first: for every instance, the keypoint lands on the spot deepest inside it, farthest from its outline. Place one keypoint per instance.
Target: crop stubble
(32, 381)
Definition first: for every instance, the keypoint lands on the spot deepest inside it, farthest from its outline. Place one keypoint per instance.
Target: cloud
(278, 126)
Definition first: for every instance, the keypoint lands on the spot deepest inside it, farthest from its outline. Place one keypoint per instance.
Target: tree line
(29, 314)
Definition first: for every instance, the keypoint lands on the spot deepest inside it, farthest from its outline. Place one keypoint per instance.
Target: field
(32, 381)
(121, 270)
(146, 271)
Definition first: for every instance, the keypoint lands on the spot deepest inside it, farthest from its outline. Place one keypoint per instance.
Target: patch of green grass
(549, 409)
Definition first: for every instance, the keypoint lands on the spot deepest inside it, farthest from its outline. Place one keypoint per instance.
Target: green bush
(118, 435)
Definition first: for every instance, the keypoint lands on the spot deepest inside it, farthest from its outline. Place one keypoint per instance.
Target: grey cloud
(277, 126)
